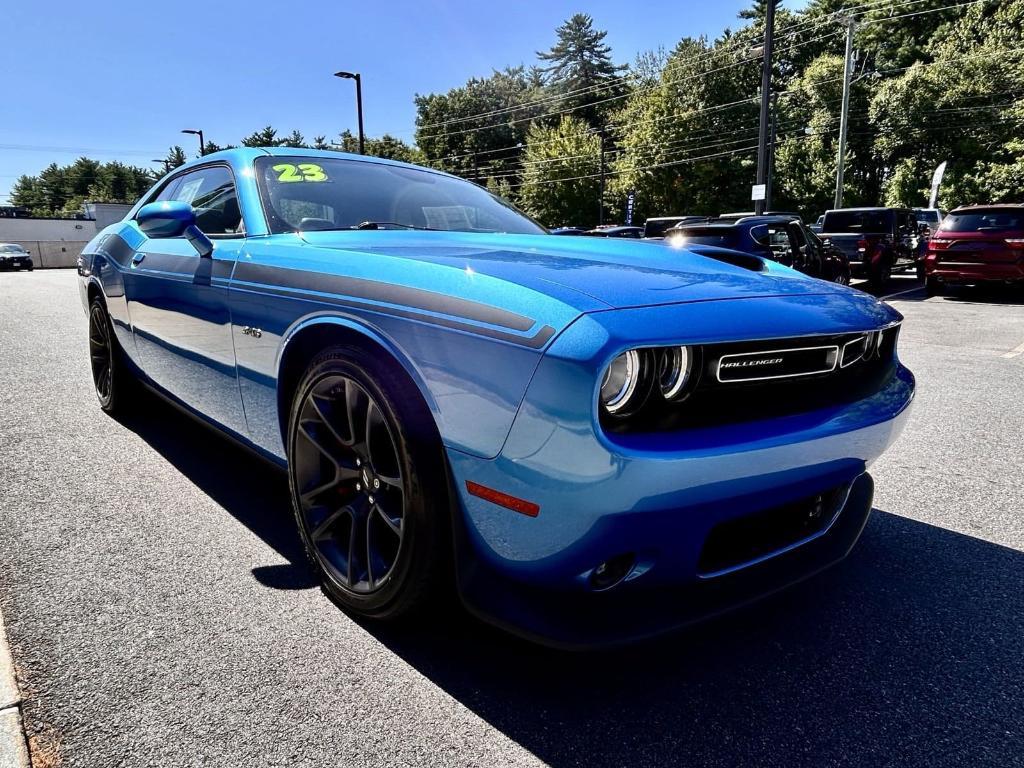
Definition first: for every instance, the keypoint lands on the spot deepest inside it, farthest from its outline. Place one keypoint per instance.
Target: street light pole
(600, 198)
(359, 103)
(771, 153)
(845, 115)
(202, 144)
(766, 90)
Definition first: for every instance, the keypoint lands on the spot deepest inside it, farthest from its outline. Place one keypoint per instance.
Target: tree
(61, 191)
(478, 129)
(580, 66)
(387, 146)
(560, 183)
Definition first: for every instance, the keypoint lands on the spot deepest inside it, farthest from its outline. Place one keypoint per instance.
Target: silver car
(13, 256)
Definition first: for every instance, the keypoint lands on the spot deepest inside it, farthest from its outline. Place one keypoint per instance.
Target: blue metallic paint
(516, 406)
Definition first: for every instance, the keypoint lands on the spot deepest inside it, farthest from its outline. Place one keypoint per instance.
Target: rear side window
(984, 220)
(709, 236)
(878, 222)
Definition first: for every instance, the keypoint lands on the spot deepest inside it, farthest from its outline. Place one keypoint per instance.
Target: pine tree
(581, 60)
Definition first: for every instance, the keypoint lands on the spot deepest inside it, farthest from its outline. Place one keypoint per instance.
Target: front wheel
(368, 485)
(111, 377)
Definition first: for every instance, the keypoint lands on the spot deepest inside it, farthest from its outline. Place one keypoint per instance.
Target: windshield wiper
(386, 224)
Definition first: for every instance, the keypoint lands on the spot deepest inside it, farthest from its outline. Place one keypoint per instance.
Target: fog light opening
(612, 572)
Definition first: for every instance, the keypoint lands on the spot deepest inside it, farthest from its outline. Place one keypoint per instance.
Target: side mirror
(172, 218)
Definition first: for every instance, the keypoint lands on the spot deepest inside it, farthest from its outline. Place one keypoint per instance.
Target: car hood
(587, 272)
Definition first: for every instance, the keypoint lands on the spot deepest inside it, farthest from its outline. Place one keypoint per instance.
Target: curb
(13, 750)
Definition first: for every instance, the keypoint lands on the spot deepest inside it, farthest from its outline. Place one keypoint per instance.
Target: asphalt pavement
(160, 613)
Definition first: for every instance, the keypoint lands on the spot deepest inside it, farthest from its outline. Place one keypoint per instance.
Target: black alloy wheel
(112, 378)
(101, 353)
(367, 488)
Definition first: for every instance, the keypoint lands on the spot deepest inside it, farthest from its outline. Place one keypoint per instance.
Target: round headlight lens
(620, 381)
(674, 364)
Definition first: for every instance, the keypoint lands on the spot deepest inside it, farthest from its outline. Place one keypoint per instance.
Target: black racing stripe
(186, 266)
(538, 340)
(117, 250)
(414, 298)
(222, 268)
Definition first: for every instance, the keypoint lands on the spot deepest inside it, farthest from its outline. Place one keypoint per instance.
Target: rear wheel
(368, 485)
(111, 377)
(933, 287)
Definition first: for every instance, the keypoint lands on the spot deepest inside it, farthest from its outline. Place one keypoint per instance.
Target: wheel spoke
(328, 523)
(309, 430)
(369, 554)
(326, 418)
(394, 526)
(391, 482)
(350, 398)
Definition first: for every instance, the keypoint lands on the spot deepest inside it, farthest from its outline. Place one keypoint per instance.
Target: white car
(13, 256)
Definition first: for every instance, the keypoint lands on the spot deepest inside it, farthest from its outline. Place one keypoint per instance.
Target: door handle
(137, 258)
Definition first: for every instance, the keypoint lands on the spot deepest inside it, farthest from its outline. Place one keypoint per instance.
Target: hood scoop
(727, 256)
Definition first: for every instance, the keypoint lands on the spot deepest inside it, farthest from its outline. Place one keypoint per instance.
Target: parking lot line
(1018, 350)
(901, 293)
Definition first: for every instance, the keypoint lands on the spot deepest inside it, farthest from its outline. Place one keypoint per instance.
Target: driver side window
(211, 192)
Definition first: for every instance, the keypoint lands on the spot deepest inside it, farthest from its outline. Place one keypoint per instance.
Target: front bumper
(580, 620)
(24, 263)
(656, 499)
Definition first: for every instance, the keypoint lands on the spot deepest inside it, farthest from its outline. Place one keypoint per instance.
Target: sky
(114, 80)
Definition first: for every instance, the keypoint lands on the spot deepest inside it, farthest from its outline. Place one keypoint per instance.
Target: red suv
(977, 244)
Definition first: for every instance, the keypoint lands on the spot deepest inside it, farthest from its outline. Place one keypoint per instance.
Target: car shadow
(215, 464)
(907, 654)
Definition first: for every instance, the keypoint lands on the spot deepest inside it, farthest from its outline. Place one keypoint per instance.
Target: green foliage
(490, 143)
(559, 182)
(387, 146)
(61, 190)
(580, 66)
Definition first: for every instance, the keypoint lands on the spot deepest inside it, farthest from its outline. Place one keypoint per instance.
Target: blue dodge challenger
(593, 440)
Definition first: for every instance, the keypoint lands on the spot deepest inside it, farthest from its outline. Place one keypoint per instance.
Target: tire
(369, 486)
(842, 278)
(879, 278)
(112, 378)
(933, 287)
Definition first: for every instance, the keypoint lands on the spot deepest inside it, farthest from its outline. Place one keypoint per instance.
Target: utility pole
(766, 90)
(600, 199)
(771, 153)
(844, 118)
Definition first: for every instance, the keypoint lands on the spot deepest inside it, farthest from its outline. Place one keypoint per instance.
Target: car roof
(245, 156)
(975, 206)
(869, 208)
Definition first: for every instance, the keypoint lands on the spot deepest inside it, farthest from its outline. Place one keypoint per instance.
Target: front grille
(751, 538)
(801, 375)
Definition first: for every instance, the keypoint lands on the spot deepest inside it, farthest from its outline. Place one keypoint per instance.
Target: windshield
(990, 220)
(931, 215)
(857, 221)
(11, 249)
(318, 193)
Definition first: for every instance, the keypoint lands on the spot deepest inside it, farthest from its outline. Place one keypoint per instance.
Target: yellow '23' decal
(301, 172)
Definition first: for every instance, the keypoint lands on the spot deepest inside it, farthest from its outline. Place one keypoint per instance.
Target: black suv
(877, 241)
(785, 239)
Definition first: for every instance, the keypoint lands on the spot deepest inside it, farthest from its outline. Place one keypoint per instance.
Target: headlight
(620, 385)
(674, 366)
